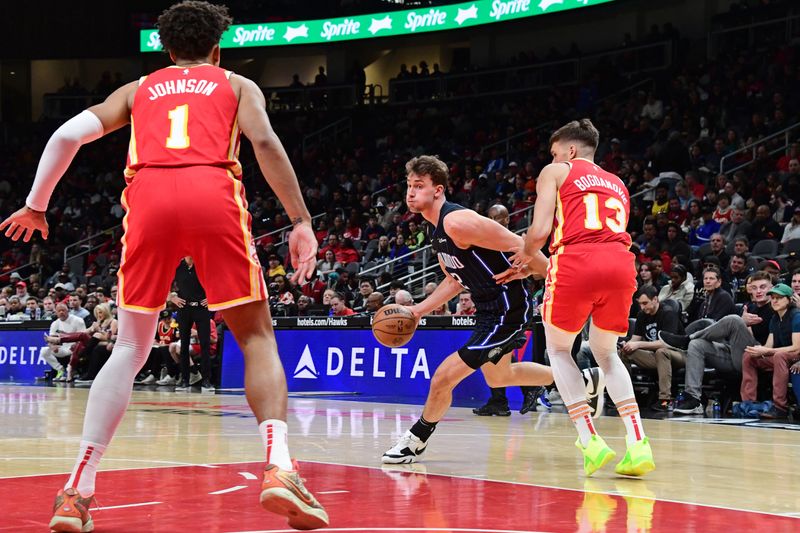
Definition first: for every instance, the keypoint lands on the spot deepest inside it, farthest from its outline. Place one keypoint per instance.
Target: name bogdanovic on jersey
(592, 207)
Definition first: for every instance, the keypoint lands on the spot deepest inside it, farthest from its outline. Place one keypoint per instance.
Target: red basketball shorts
(195, 211)
(590, 279)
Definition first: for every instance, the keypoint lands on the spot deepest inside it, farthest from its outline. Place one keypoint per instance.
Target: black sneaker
(492, 409)
(774, 413)
(207, 386)
(529, 400)
(595, 390)
(183, 386)
(662, 406)
(679, 342)
(689, 405)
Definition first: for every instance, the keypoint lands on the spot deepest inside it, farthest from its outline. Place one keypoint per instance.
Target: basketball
(393, 325)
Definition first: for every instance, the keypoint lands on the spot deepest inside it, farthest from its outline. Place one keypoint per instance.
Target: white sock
(111, 392)
(581, 416)
(618, 382)
(83, 474)
(275, 436)
(633, 422)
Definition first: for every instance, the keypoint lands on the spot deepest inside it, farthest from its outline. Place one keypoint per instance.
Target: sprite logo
(501, 9)
(243, 36)
(346, 27)
(154, 42)
(434, 17)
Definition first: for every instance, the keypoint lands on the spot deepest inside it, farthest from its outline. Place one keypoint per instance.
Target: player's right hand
(25, 221)
(303, 251)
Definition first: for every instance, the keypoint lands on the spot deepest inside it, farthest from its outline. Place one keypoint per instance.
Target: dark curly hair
(190, 29)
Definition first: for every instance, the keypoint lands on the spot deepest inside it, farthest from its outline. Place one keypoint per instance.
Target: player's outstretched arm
(543, 211)
(58, 154)
(278, 171)
(448, 289)
(468, 228)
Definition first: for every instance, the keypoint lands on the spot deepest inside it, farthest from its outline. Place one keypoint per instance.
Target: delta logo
(359, 361)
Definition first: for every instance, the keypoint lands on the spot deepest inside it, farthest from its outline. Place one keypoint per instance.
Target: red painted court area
(224, 498)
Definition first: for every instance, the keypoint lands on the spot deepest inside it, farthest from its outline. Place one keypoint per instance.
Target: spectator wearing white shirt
(792, 229)
(653, 109)
(22, 292)
(65, 323)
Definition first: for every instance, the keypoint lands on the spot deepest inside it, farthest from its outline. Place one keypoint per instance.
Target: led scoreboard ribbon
(408, 22)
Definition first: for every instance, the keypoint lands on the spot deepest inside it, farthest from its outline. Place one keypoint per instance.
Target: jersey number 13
(617, 223)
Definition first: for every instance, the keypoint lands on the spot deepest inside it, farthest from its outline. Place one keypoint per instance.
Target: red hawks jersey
(592, 207)
(184, 116)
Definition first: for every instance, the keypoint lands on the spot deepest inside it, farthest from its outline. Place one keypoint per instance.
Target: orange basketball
(393, 325)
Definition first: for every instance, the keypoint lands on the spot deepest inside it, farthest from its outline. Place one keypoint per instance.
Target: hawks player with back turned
(591, 272)
(185, 197)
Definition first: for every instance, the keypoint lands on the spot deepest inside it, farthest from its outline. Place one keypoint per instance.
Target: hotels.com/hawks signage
(346, 358)
(394, 23)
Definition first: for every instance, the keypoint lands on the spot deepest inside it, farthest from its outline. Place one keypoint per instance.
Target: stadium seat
(790, 246)
(767, 248)
(704, 250)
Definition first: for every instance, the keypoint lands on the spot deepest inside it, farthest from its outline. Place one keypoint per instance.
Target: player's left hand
(519, 258)
(512, 274)
(303, 251)
(25, 221)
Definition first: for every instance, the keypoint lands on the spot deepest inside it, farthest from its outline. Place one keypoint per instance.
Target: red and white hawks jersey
(592, 207)
(184, 116)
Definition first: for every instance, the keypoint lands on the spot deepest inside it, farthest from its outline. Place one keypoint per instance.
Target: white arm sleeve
(58, 155)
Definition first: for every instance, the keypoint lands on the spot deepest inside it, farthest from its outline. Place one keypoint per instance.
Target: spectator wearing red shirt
(314, 288)
(353, 229)
(722, 213)
(347, 253)
(696, 189)
(373, 230)
(322, 230)
(465, 304)
(674, 212)
(339, 306)
(333, 245)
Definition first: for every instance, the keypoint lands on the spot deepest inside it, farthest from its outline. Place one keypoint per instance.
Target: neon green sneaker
(638, 459)
(596, 454)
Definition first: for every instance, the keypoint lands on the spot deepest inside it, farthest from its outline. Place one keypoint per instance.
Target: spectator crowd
(715, 221)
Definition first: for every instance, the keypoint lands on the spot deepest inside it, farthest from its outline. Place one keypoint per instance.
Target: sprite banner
(449, 17)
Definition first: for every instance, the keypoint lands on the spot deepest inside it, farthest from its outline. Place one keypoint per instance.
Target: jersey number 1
(178, 127)
(592, 220)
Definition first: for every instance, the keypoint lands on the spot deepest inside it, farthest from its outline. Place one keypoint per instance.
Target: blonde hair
(105, 308)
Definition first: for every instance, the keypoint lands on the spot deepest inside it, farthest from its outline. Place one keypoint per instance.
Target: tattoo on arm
(296, 221)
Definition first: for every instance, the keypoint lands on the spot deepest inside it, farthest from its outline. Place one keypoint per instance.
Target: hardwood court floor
(184, 462)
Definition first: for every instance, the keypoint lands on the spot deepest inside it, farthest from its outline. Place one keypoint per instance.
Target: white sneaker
(168, 380)
(407, 450)
(149, 380)
(595, 389)
(164, 374)
(195, 377)
(554, 397)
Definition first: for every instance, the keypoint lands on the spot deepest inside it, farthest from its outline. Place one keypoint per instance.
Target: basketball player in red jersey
(185, 124)
(591, 272)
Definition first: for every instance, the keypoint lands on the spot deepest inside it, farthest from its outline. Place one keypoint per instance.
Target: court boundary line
(456, 476)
